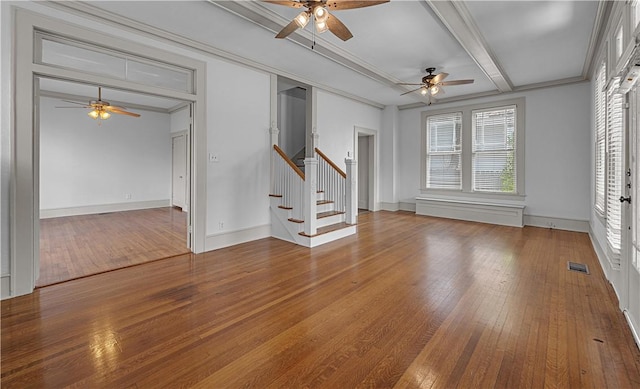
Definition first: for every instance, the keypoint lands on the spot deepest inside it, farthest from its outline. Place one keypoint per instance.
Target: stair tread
(327, 229)
(320, 202)
(320, 215)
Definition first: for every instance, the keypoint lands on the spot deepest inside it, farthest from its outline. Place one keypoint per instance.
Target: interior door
(179, 171)
(632, 208)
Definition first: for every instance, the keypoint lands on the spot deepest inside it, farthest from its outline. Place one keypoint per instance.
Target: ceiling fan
(319, 10)
(101, 109)
(432, 83)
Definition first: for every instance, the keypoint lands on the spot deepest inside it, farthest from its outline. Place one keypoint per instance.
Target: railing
(287, 182)
(332, 181)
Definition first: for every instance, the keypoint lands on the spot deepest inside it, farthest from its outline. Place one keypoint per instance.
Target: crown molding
(87, 99)
(519, 89)
(88, 11)
(597, 37)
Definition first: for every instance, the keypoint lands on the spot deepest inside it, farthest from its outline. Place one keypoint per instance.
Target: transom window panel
(444, 151)
(615, 167)
(65, 53)
(494, 151)
(600, 103)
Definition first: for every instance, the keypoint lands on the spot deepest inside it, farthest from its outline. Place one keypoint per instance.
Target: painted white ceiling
(503, 45)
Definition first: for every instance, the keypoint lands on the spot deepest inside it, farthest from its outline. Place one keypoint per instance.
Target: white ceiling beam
(456, 18)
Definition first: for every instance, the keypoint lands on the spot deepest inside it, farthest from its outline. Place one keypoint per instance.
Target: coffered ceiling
(503, 45)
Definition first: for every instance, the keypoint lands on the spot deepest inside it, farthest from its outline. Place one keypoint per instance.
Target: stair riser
(325, 207)
(329, 220)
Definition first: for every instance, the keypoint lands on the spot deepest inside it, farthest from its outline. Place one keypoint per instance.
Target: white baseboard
(389, 206)
(393, 207)
(230, 238)
(634, 328)
(411, 207)
(557, 223)
(102, 208)
(5, 286)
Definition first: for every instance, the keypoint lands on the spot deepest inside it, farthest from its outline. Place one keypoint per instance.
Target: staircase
(304, 214)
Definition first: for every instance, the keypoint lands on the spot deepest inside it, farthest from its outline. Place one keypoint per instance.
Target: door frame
(632, 135)
(24, 201)
(374, 204)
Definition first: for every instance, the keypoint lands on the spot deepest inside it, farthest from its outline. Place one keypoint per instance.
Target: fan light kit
(432, 83)
(101, 110)
(319, 11)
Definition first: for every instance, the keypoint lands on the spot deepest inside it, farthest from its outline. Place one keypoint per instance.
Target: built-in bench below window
(484, 212)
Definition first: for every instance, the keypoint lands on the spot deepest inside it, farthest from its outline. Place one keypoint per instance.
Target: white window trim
(600, 213)
(466, 139)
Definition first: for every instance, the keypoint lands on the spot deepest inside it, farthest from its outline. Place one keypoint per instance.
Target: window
(615, 167)
(600, 104)
(619, 42)
(476, 150)
(493, 162)
(443, 151)
(70, 54)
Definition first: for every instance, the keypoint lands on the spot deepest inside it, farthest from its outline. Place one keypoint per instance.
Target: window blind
(443, 151)
(601, 130)
(494, 156)
(615, 173)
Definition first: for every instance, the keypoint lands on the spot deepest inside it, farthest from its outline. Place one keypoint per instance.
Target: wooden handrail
(330, 162)
(291, 164)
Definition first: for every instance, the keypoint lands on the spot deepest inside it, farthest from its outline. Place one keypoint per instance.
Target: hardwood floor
(408, 302)
(77, 246)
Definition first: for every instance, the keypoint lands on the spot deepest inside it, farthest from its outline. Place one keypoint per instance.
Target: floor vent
(579, 267)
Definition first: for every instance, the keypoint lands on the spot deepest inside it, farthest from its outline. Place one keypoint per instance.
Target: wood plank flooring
(77, 246)
(408, 302)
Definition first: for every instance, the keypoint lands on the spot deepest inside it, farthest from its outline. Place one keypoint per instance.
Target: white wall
(336, 118)
(85, 164)
(389, 155)
(238, 114)
(6, 107)
(180, 120)
(557, 144)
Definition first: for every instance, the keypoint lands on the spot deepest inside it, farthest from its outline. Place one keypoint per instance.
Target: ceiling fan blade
(439, 77)
(287, 30)
(120, 111)
(457, 82)
(406, 93)
(74, 102)
(292, 4)
(346, 4)
(338, 28)
(406, 83)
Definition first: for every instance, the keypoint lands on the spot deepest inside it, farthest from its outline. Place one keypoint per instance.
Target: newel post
(310, 196)
(350, 191)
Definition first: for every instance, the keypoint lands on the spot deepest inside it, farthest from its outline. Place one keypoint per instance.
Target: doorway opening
(107, 194)
(365, 153)
(293, 119)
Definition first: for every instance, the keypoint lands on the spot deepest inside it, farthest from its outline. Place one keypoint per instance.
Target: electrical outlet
(127, 196)
(221, 225)
(213, 157)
